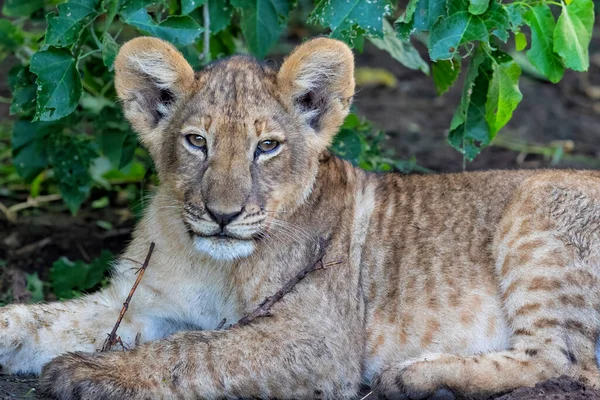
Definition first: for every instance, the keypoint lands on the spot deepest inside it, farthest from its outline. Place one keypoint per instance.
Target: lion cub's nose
(222, 219)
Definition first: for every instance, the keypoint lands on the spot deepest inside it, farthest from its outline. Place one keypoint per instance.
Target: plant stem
(95, 37)
(206, 47)
(89, 53)
(89, 88)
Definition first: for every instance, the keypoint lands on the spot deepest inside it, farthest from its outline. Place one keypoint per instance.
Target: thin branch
(10, 216)
(34, 202)
(30, 248)
(264, 309)
(206, 47)
(221, 324)
(112, 338)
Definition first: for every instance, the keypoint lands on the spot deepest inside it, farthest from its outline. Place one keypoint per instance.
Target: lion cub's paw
(411, 380)
(82, 376)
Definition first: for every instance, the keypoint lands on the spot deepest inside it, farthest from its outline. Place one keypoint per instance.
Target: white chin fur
(224, 249)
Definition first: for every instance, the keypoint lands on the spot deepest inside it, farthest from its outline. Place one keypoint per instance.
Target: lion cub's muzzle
(224, 236)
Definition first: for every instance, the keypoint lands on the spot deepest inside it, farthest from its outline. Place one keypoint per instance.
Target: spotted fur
(474, 283)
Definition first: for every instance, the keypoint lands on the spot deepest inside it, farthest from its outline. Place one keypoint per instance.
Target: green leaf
(477, 7)
(348, 19)
(515, 13)
(262, 23)
(520, 41)
(445, 73)
(348, 145)
(503, 94)
(21, 8)
(58, 83)
(179, 30)
(11, 36)
(469, 132)
(405, 22)
(111, 7)
(71, 156)
(420, 16)
(118, 146)
(541, 54)
(24, 92)
(29, 147)
(187, 6)
(496, 21)
(73, 16)
(573, 34)
(220, 12)
(35, 286)
(110, 48)
(460, 27)
(428, 13)
(69, 278)
(401, 51)
(472, 73)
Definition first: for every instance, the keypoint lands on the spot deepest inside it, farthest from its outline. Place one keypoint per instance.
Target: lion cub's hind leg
(547, 252)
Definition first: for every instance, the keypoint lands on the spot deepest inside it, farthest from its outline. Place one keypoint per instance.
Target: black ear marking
(157, 101)
(312, 104)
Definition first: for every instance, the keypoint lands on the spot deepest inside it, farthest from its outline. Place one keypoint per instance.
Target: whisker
(293, 228)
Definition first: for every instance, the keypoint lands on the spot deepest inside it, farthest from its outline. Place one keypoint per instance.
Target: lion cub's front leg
(267, 359)
(32, 335)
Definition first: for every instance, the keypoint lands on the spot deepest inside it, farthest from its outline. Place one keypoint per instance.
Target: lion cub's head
(237, 142)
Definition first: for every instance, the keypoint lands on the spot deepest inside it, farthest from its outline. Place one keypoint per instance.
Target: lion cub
(472, 283)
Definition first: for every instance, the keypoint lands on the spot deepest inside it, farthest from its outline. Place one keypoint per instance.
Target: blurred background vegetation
(73, 178)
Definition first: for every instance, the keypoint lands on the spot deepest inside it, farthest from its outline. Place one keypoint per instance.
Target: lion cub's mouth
(223, 246)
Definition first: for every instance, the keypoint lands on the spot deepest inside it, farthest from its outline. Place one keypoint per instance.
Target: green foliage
(181, 30)
(58, 84)
(262, 21)
(362, 145)
(400, 50)
(478, 29)
(349, 19)
(35, 286)
(69, 278)
(541, 54)
(21, 8)
(70, 132)
(445, 73)
(65, 28)
(573, 34)
(503, 93)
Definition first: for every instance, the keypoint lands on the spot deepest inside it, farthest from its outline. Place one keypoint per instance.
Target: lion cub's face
(237, 144)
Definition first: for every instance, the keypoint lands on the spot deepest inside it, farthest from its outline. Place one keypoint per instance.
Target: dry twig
(32, 247)
(112, 338)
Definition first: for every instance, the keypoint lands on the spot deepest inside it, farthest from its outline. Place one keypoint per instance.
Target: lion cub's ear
(316, 81)
(150, 75)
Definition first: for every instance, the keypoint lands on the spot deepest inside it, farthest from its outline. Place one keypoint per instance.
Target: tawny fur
(476, 282)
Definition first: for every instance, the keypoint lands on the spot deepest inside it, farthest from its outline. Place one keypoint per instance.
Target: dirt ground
(416, 121)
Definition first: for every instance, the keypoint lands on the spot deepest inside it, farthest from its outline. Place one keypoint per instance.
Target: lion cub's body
(476, 282)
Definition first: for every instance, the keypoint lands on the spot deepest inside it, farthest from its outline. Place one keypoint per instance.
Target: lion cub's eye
(267, 146)
(197, 141)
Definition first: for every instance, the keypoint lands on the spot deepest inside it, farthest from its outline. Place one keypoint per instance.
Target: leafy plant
(70, 131)
(480, 29)
(361, 144)
(69, 278)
